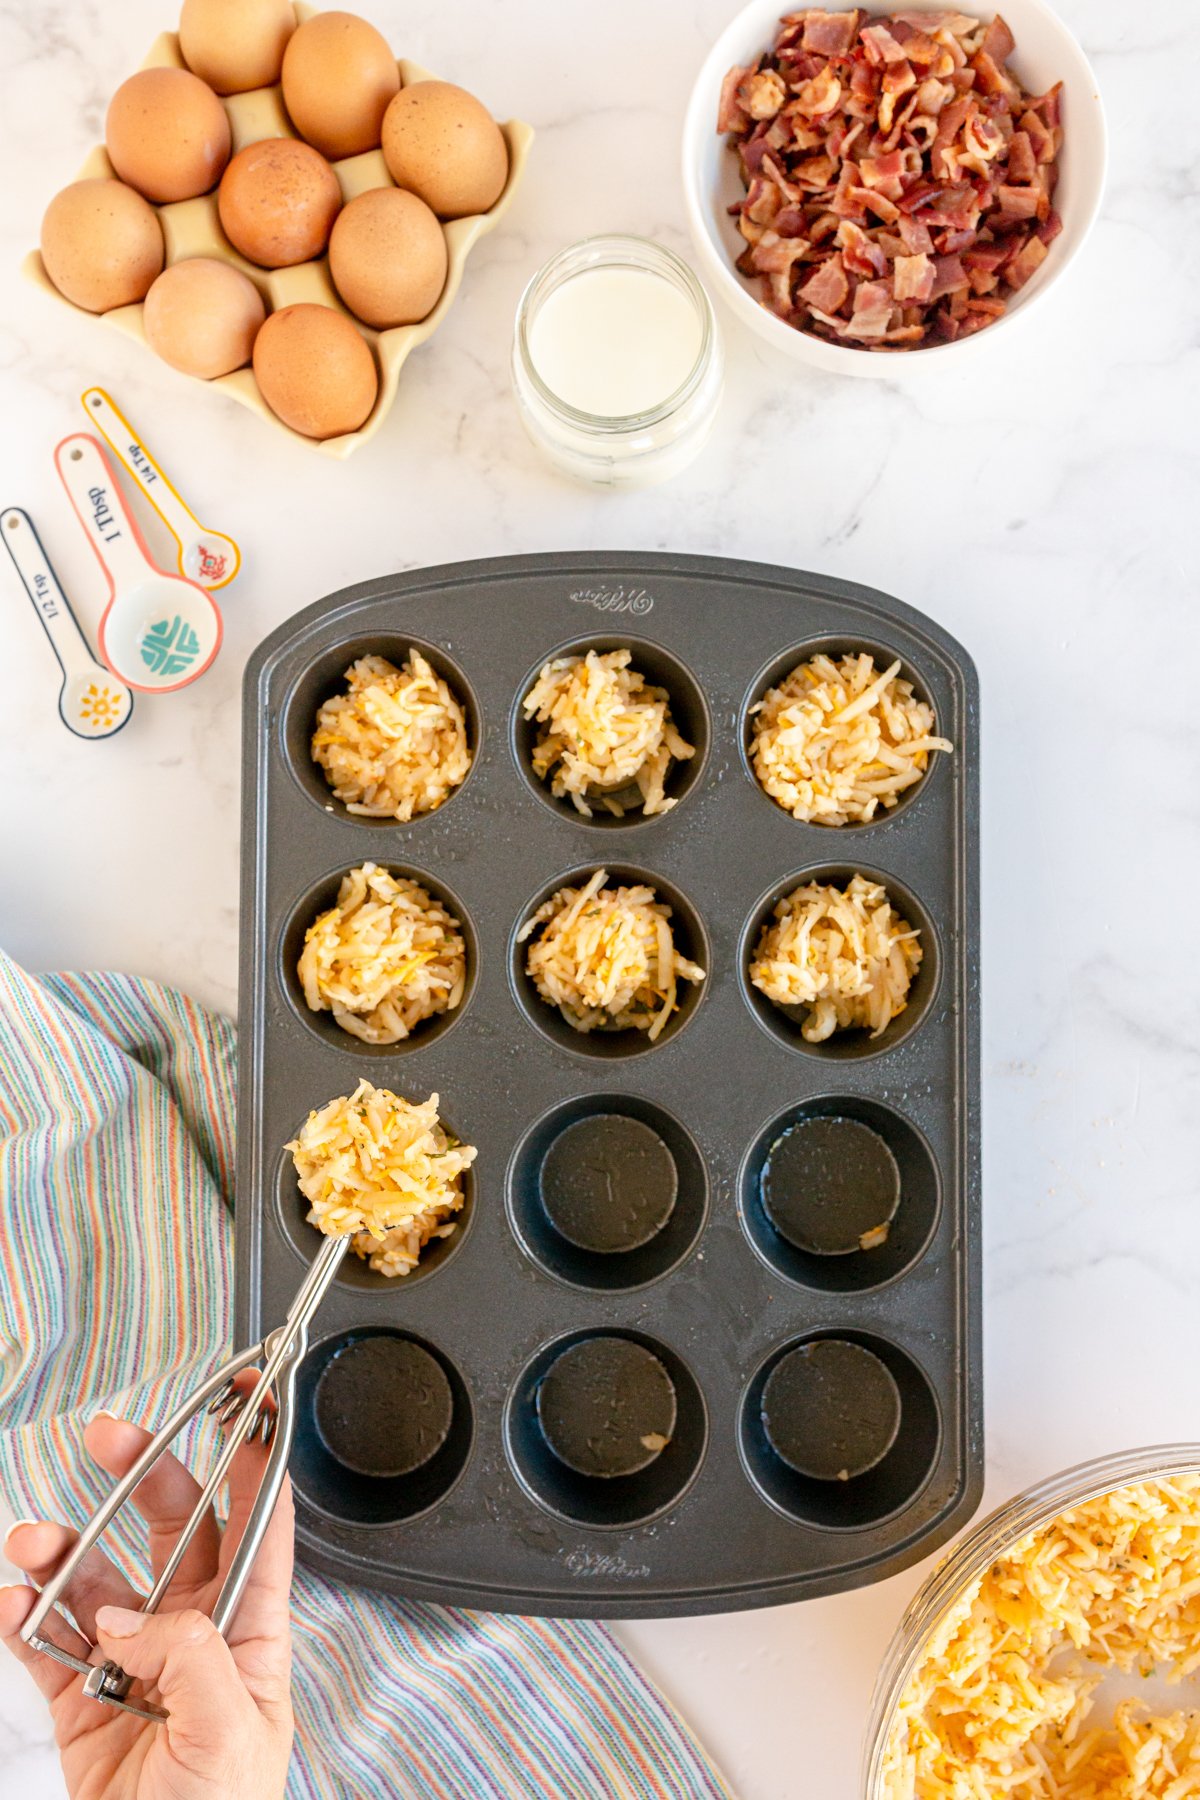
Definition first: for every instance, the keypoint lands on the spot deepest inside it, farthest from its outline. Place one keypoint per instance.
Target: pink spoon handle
(111, 529)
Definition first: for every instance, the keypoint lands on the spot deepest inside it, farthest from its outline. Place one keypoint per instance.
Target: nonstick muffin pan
(654, 1371)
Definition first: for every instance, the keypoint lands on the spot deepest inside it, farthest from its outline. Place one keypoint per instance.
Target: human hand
(229, 1731)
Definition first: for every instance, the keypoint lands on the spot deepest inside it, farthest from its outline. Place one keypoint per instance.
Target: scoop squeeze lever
(210, 557)
(159, 631)
(265, 1411)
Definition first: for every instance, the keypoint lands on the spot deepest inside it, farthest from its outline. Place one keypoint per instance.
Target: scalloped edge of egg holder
(192, 228)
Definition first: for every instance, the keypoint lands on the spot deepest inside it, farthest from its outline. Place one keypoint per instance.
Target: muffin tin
(620, 1388)
(192, 228)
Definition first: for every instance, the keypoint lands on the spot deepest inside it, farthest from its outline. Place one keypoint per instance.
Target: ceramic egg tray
(442, 1448)
(193, 228)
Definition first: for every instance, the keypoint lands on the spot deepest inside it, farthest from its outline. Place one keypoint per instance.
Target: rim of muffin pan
(689, 712)
(867, 1500)
(348, 1495)
(783, 1023)
(604, 1503)
(324, 677)
(688, 934)
(834, 645)
(317, 898)
(910, 1231)
(577, 1265)
(304, 1240)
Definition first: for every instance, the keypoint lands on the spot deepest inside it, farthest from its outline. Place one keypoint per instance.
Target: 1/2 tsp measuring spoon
(92, 702)
(159, 631)
(209, 557)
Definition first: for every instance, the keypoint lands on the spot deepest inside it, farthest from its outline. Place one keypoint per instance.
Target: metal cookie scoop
(266, 1411)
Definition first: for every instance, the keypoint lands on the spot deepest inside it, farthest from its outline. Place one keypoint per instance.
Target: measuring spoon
(158, 631)
(206, 556)
(91, 702)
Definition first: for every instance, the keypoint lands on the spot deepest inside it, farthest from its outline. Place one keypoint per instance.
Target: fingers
(165, 1499)
(16, 1603)
(187, 1659)
(39, 1548)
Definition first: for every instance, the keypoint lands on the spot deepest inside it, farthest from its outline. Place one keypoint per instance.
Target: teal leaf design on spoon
(170, 647)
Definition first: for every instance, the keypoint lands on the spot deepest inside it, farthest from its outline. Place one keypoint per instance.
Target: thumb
(186, 1658)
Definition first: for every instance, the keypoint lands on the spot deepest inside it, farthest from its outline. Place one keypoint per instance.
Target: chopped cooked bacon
(884, 173)
(872, 311)
(949, 276)
(828, 289)
(880, 46)
(1026, 262)
(730, 116)
(899, 181)
(912, 278)
(1018, 202)
(820, 96)
(830, 34)
(860, 256)
(1022, 163)
(1041, 140)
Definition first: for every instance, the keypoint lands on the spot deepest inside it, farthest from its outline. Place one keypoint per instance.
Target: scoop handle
(44, 589)
(109, 526)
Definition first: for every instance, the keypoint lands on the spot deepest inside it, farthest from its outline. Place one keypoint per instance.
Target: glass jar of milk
(617, 361)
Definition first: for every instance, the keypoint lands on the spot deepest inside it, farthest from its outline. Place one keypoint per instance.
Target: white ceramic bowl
(1045, 53)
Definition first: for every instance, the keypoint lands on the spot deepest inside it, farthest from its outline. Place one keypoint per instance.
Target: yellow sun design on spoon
(100, 705)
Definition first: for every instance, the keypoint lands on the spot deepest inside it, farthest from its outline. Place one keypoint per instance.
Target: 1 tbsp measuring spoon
(158, 631)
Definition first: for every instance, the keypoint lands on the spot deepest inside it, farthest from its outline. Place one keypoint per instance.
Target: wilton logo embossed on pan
(614, 599)
(595, 1562)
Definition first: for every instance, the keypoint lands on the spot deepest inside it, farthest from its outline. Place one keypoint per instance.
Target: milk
(615, 341)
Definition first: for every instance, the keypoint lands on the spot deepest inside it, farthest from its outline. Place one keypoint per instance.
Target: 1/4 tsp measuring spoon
(209, 557)
(158, 631)
(91, 702)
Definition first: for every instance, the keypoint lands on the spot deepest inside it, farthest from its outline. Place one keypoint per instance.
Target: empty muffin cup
(839, 1193)
(839, 1430)
(607, 1191)
(830, 1409)
(689, 714)
(384, 1427)
(831, 1186)
(606, 1428)
(606, 1406)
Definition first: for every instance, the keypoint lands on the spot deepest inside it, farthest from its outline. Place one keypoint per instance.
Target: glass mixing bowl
(967, 1561)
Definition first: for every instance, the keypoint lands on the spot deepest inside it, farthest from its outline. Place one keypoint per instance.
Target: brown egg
(338, 76)
(202, 316)
(167, 134)
(315, 371)
(441, 143)
(278, 200)
(102, 245)
(387, 257)
(236, 45)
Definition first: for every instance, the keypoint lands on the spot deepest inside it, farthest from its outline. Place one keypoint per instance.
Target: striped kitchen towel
(116, 1279)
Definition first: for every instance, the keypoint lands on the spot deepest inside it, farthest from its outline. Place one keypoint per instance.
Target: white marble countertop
(1042, 509)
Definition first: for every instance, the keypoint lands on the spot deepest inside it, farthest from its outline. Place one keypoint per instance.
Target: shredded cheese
(385, 1170)
(835, 741)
